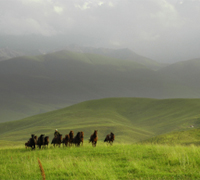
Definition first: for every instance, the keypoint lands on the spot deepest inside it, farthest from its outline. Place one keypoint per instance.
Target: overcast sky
(164, 30)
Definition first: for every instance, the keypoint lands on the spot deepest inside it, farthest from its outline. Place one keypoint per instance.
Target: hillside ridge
(131, 119)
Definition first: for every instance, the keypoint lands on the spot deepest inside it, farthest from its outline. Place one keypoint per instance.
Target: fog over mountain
(35, 84)
(57, 53)
(163, 30)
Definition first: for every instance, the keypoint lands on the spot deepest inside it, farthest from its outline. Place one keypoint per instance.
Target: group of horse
(68, 140)
(34, 140)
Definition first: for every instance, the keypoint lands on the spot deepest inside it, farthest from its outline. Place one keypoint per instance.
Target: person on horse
(56, 133)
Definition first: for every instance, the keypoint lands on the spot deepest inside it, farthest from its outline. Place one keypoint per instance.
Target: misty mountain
(187, 73)
(37, 84)
(38, 45)
(123, 54)
(6, 53)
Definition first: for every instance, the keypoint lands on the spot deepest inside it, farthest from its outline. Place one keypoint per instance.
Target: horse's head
(82, 134)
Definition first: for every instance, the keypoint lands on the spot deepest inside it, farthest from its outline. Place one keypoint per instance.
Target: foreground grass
(120, 161)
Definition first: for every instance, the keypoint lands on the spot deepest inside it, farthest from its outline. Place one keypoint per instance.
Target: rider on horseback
(56, 133)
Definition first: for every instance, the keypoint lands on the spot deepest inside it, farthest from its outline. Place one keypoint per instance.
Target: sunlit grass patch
(120, 161)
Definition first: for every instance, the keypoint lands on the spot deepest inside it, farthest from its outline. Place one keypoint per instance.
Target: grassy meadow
(186, 137)
(153, 140)
(120, 161)
(131, 120)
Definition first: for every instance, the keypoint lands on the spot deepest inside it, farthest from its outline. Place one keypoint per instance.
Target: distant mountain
(185, 72)
(35, 84)
(6, 53)
(123, 54)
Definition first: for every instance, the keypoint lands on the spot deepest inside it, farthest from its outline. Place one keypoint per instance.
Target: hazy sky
(164, 30)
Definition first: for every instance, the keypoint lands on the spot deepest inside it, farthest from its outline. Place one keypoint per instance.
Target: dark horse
(82, 137)
(32, 141)
(66, 140)
(94, 138)
(110, 138)
(46, 141)
(40, 141)
(71, 137)
(57, 140)
(77, 139)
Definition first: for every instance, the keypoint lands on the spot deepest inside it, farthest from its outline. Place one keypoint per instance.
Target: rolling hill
(35, 84)
(184, 137)
(131, 119)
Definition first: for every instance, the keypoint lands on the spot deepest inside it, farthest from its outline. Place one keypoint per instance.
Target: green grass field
(149, 133)
(187, 137)
(120, 161)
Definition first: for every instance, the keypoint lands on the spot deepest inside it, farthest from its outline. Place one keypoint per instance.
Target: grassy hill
(184, 137)
(131, 119)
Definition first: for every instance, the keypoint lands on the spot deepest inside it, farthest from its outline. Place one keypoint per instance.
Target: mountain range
(36, 84)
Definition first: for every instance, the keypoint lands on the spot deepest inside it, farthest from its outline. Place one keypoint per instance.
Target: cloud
(110, 4)
(147, 26)
(167, 14)
(145, 35)
(85, 6)
(58, 9)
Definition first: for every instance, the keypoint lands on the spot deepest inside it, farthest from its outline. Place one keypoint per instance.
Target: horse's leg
(93, 144)
(33, 147)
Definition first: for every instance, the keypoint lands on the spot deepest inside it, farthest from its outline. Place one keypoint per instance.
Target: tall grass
(41, 169)
(120, 161)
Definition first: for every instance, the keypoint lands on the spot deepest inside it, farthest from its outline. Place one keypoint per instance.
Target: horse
(82, 137)
(41, 141)
(110, 138)
(32, 142)
(57, 140)
(66, 140)
(46, 141)
(77, 139)
(27, 144)
(94, 138)
(71, 136)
